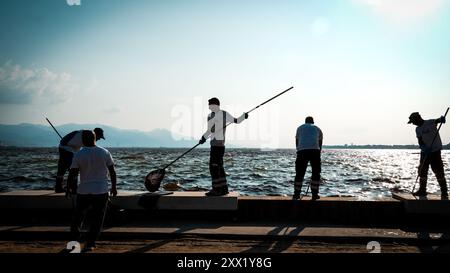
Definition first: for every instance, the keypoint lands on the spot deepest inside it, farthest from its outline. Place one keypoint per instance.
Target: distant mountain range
(32, 135)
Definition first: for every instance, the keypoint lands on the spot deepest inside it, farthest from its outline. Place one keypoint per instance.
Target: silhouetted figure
(93, 164)
(430, 153)
(308, 141)
(217, 121)
(70, 144)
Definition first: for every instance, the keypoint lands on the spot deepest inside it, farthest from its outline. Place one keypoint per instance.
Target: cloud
(112, 110)
(403, 11)
(73, 2)
(19, 85)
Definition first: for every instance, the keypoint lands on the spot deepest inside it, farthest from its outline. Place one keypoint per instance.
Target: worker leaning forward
(308, 141)
(430, 146)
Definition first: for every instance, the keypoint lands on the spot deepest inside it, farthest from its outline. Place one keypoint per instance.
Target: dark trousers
(434, 160)
(303, 158)
(216, 169)
(64, 162)
(96, 205)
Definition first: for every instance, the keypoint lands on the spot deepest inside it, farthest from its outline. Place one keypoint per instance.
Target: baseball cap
(413, 116)
(99, 133)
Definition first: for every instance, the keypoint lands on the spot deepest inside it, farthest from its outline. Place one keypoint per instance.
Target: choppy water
(366, 174)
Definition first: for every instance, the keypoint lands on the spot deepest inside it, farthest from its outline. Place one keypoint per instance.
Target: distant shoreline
(337, 147)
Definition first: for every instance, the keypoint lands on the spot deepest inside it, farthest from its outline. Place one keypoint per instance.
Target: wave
(383, 179)
(196, 188)
(258, 175)
(360, 180)
(132, 157)
(21, 178)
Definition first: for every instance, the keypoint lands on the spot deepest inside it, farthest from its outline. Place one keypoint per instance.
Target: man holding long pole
(68, 146)
(217, 121)
(430, 146)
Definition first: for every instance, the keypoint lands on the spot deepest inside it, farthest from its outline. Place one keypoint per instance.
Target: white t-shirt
(427, 132)
(216, 122)
(308, 136)
(93, 163)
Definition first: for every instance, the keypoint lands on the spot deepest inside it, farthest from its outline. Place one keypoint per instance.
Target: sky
(359, 67)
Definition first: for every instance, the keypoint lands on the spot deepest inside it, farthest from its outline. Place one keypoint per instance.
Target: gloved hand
(442, 119)
(241, 118)
(202, 140)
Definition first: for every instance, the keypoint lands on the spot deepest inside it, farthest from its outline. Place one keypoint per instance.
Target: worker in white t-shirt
(308, 141)
(93, 164)
(430, 145)
(217, 122)
(68, 146)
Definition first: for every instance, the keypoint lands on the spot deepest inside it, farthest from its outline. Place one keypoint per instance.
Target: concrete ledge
(328, 209)
(130, 200)
(175, 201)
(48, 207)
(431, 204)
(198, 201)
(36, 199)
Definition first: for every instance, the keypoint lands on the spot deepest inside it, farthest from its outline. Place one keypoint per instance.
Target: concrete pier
(129, 200)
(21, 205)
(183, 219)
(430, 204)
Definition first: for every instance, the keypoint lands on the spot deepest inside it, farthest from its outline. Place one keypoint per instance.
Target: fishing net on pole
(153, 180)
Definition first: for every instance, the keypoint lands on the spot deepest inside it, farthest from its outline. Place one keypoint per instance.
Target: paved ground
(197, 244)
(210, 237)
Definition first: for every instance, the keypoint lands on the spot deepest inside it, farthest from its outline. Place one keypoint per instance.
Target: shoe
(315, 197)
(296, 195)
(214, 192)
(225, 190)
(420, 193)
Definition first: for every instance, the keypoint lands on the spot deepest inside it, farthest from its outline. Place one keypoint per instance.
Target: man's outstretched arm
(231, 119)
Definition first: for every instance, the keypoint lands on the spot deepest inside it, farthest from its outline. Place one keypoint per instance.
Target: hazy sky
(359, 67)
